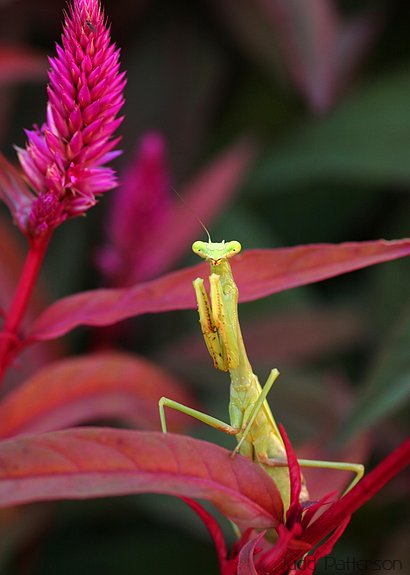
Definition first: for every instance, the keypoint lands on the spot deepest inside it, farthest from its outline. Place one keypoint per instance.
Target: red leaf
(361, 493)
(97, 462)
(329, 331)
(258, 273)
(309, 562)
(92, 387)
(294, 512)
(107, 306)
(276, 554)
(214, 531)
(365, 490)
(246, 564)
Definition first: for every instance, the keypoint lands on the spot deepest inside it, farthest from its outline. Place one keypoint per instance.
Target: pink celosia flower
(64, 160)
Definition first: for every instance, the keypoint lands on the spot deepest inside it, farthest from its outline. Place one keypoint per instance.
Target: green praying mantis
(251, 419)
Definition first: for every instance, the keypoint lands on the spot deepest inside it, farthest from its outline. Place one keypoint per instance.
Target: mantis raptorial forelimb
(251, 419)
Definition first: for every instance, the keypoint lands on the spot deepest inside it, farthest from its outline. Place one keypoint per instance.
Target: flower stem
(9, 338)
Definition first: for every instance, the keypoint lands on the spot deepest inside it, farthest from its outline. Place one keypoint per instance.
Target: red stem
(9, 339)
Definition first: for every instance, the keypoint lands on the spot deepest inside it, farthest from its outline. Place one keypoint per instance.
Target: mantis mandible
(251, 419)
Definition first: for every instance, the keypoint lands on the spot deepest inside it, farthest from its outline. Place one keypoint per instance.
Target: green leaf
(388, 387)
(366, 139)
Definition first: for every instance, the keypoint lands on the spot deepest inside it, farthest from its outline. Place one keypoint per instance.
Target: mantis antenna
(194, 215)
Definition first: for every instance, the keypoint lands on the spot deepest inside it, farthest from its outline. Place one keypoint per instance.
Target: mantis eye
(197, 247)
(234, 248)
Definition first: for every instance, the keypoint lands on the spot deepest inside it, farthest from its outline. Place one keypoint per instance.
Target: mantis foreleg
(224, 302)
(208, 326)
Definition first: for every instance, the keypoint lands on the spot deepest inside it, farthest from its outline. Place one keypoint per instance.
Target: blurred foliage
(342, 174)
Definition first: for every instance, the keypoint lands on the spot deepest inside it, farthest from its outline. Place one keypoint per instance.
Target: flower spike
(64, 160)
(139, 209)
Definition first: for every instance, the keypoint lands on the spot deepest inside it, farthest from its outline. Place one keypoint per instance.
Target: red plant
(64, 160)
(304, 537)
(64, 163)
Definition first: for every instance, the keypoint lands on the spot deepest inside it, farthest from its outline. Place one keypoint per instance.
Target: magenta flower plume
(64, 160)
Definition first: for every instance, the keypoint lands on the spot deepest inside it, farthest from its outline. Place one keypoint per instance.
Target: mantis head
(214, 252)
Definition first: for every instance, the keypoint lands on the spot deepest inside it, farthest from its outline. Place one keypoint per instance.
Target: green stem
(9, 338)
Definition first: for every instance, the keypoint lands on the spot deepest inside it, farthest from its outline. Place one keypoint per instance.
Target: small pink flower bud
(139, 208)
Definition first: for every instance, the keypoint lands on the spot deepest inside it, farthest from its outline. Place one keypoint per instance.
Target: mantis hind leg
(204, 417)
(356, 468)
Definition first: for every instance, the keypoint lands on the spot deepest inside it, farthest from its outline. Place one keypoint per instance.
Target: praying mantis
(251, 419)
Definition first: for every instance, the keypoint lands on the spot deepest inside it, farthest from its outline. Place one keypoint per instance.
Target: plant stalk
(9, 336)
